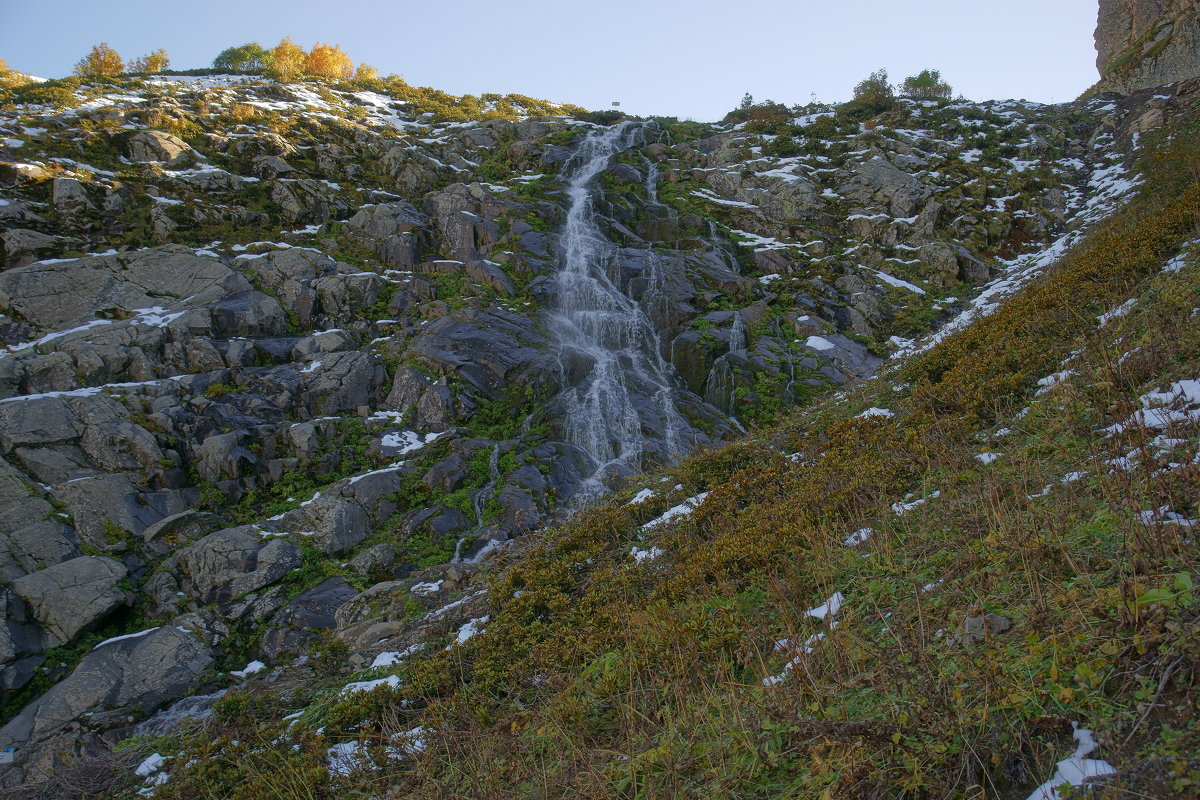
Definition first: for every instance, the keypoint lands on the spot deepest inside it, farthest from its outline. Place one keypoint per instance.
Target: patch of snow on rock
(252, 668)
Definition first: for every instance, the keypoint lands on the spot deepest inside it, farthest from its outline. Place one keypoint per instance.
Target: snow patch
(394, 657)
(640, 555)
(469, 630)
(641, 497)
(126, 636)
(858, 537)
(1119, 311)
(365, 686)
(1075, 770)
(253, 668)
(680, 511)
(829, 608)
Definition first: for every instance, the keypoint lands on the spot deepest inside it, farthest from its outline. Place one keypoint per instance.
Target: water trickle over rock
(618, 402)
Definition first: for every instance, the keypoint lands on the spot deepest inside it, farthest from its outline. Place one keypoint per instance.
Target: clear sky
(688, 59)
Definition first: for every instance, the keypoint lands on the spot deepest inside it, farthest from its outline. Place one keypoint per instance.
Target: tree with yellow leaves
(102, 60)
(150, 64)
(10, 78)
(366, 72)
(328, 61)
(288, 59)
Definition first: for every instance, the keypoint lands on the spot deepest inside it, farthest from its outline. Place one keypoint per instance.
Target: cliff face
(1146, 43)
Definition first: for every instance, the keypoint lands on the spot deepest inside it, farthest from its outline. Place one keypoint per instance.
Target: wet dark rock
(298, 624)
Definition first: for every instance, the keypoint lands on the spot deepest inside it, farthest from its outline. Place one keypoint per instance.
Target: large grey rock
(297, 624)
(345, 297)
(119, 445)
(69, 598)
(158, 146)
(941, 261)
(306, 200)
(333, 524)
(849, 356)
(178, 531)
(60, 294)
(40, 544)
(19, 505)
(278, 267)
(407, 387)
(221, 456)
(374, 561)
(485, 349)
(879, 181)
(22, 246)
(270, 167)
(134, 675)
(68, 195)
(114, 505)
(1141, 44)
(19, 172)
(212, 180)
(385, 220)
(234, 561)
(249, 314)
(37, 421)
(345, 381)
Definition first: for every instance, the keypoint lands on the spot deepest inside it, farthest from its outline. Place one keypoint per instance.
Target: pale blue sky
(688, 59)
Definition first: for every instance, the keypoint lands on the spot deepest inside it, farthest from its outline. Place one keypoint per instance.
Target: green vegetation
(599, 677)
(926, 85)
(873, 96)
(249, 57)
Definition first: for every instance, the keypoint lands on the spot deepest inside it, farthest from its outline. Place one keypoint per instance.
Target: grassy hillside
(916, 602)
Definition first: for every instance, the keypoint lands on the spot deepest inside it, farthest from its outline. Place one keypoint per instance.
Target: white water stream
(618, 399)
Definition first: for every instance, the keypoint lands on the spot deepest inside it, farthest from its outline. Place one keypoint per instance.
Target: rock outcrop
(1141, 44)
(134, 674)
(302, 392)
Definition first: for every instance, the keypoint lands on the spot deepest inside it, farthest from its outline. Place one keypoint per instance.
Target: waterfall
(714, 235)
(478, 498)
(653, 300)
(482, 495)
(652, 181)
(719, 386)
(737, 334)
(618, 396)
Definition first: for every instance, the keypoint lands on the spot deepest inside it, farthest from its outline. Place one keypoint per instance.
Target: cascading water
(714, 234)
(737, 334)
(652, 181)
(478, 500)
(617, 398)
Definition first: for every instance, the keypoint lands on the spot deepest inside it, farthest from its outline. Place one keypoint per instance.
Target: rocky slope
(280, 385)
(1142, 44)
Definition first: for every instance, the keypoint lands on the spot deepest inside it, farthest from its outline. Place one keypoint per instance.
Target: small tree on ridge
(150, 64)
(287, 59)
(251, 57)
(328, 61)
(102, 60)
(926, 85)
(873, 95)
